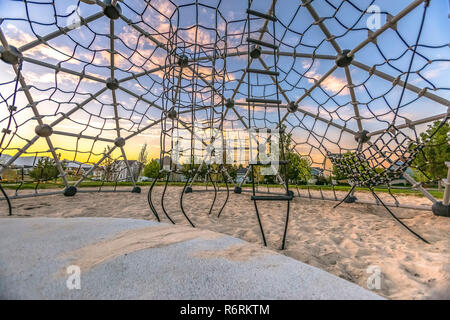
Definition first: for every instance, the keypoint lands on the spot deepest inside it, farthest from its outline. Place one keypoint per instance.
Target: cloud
(439, 69)
(18, 38)
(332, 83)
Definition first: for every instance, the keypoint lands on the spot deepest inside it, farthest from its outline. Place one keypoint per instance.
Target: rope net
(86, 83)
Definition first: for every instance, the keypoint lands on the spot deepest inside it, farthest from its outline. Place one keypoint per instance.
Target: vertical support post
(18, 154)
(38, 117)
(446, 182)
(196, 174)
(245, 176)
(94, 167)
(128, 167)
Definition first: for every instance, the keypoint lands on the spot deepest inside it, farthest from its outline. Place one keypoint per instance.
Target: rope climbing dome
(348, 87)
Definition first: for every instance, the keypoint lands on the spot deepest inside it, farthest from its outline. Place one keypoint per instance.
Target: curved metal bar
(228, 194)
(37, 185)
(298, 191)
(181, 202)
(101, 186)
(260, 224)
(256, 209)
(7, 200)
(17, 189)
(321, 193)
(162, 198)
(397, 219)
(115, 183)
(149, 199)
(283, 244)
(392, 195)
(334, 192)
(215, 192)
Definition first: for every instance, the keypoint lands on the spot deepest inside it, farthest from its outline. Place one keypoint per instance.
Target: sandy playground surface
(343, 241)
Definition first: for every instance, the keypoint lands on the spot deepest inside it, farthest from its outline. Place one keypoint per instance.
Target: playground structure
(87, 88)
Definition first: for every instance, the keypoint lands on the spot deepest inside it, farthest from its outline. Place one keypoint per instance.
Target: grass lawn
(96, 184)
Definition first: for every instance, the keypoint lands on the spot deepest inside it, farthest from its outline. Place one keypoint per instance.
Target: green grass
(96, 184)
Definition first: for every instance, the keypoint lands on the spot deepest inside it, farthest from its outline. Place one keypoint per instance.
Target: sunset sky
(87, 50)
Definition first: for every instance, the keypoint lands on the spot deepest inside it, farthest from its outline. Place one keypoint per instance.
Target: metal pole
(35, 111)
(128, 167)
(446, 183)
(61, 31)
(94, 166)
(409, 86)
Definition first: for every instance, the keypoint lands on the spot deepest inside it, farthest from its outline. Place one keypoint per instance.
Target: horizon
(332, 101)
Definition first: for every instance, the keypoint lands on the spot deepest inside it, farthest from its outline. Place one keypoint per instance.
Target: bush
(45, 169)
(151, 169)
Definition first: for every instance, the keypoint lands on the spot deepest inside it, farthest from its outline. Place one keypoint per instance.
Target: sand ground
(345, 241)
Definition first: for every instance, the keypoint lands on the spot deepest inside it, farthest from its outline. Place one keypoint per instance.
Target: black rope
(7, 200)
(149, 198)
(162, 197)
(422, 22)
(228, 193)
(397, 219)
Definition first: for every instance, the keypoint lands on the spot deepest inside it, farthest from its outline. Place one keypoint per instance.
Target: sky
(213, 28)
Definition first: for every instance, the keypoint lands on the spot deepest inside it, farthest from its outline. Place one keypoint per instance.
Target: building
(117, 171)
(75, 167)
(317, 172)
(120, 170)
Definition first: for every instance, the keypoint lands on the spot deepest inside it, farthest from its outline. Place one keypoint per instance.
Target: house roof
(27, 162)
(4, 158)
(130, 162)
(76, 164)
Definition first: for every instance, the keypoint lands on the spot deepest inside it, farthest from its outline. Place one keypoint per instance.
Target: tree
(299, 167)
(45, 169)
(142, 159)
(151, 169)
(437, 152)
(186, 167)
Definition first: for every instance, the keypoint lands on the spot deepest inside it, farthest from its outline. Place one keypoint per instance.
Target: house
(117, 171)
(98, 173)
(120, 170)
(317, 172)
(75, 167)
(174, 176)
(402, 180)
(27, 163)
(4, 158)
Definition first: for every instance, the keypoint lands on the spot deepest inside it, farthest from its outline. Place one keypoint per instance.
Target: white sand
(343, 241)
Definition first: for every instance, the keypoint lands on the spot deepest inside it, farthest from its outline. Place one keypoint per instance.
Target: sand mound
(345, 241)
